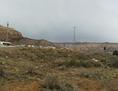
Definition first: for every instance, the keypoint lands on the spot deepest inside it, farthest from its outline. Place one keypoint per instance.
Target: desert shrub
(3, 76)
(30, 71)
(71, 63)
(89, 63)
(112, 62)
(82, 56)
(115, 52)
(81, 63)
(102, 74)
(91, 75)
(2, 73)
(66, 87)
(52, 84)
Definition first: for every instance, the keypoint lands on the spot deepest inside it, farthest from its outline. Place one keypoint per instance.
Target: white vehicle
(5, 44)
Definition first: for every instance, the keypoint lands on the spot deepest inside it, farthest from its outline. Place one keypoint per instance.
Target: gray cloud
(54, 19)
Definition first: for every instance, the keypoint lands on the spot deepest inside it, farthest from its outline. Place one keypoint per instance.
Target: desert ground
(57, 69)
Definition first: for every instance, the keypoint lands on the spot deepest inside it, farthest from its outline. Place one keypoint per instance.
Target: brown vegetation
(42, 69)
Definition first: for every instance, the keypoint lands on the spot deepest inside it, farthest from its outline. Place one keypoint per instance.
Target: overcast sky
(96, 20)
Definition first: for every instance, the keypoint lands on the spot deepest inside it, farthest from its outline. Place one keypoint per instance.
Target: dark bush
(52, 83)
(91, 75)
(115, 52)
(113, 62)
(2, 73)
(31, 71)
(81, 63)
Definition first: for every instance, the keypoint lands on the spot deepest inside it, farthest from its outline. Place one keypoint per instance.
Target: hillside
(12, 35)
(37, 69)
(9, 34)
(28, 41)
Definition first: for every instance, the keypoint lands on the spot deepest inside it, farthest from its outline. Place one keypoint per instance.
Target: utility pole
(74, 34)
(6, 35)
(7, 24)
(7, 31)
(74, 37)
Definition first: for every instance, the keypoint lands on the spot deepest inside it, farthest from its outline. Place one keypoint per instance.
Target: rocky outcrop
(9, 34)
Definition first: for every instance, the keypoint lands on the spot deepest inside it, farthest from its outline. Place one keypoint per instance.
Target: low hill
(12, 35)
(28, 41)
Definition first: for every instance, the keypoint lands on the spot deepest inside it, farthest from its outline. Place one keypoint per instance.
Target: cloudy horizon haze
(96, 20)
